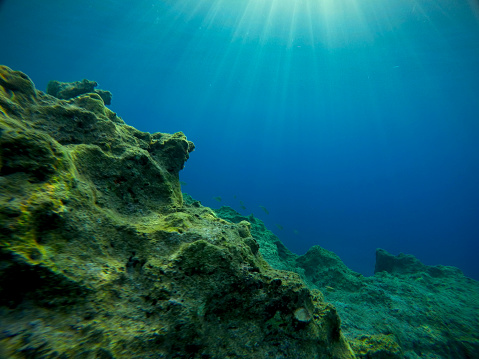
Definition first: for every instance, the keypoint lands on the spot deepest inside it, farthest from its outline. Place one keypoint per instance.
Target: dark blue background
(355, 123)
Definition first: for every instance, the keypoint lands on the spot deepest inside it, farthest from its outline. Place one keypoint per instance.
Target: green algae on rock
(68, 90)
(100, 257)
(406, 310)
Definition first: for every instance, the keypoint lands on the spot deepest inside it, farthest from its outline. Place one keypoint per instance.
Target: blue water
(354, 122)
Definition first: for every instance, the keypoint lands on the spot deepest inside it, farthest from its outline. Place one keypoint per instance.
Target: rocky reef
(406, 310)
(100, 256)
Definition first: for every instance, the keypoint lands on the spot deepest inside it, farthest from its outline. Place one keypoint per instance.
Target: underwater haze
(349, 124)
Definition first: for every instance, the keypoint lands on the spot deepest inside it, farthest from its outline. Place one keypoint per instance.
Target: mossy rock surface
(100, 257)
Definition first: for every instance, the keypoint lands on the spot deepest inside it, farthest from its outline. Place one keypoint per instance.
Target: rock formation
(101, 258)
(68, 90)
(407, 309)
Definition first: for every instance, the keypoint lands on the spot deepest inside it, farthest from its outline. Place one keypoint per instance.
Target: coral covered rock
(101, 258)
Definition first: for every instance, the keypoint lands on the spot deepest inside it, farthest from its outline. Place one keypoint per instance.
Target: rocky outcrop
(68, 90)
(406, 310)
(100, 257)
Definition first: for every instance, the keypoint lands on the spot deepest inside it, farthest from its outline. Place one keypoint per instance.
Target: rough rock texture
(101, 258)
(406, 310)
(68, 90)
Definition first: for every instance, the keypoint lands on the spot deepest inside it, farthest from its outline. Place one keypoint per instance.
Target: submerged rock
(68, 90)
(100, 257)
(406, 310)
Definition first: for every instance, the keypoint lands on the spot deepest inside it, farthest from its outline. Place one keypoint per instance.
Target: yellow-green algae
(377, 346)
(101, 258)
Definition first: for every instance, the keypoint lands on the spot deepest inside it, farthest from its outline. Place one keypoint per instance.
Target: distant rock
(406, 310)
(100, 256)
(409, 265)
(68, 90)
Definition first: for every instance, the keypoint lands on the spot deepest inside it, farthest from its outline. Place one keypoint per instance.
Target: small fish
(296, 232)
(217, 198)
(243, 207)
(183, 183)
(264, 209)
(280, 227)
(234, 196)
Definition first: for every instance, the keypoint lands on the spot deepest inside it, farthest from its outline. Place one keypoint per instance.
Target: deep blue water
(354, 122)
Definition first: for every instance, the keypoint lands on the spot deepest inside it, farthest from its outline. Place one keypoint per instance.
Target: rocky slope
(407, 309)
(101, 258)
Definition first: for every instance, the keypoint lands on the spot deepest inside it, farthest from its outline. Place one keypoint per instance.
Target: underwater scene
(239, 179)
